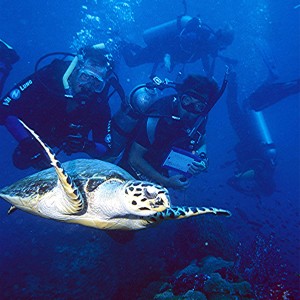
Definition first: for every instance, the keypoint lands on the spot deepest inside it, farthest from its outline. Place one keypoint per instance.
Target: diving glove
(29, 153)
(203, 161)
(77, 143)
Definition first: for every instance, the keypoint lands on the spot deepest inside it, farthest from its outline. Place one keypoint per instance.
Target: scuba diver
(168, 146)
(64, 102)
(255, 151)
(131, 111)
(181, 41)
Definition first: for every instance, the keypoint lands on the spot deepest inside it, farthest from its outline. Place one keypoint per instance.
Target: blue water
(42, 259)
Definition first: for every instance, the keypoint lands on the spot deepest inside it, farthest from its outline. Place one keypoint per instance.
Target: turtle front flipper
(182, 212)
(75, 202)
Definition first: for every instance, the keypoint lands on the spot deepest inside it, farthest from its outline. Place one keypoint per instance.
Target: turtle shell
(87, 174)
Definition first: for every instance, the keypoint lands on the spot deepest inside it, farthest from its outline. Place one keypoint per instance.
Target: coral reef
(211, 278)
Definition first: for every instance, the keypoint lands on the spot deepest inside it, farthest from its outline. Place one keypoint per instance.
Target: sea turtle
(95, 193)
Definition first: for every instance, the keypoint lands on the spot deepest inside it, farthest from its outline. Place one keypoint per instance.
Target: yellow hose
(66, 76)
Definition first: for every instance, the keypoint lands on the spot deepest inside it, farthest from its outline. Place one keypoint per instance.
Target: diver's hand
(29, 153)
(178, 182)
(76, 143)
(96, 150)
(199, 166)
(40, 162)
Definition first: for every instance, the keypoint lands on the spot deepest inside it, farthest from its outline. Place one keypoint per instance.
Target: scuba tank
(126, 118)
(142, 97)
(260, 132)
(159, 33)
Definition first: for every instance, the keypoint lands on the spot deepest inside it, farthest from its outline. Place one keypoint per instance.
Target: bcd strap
(196, 126)
(151, 128)
(114, 82)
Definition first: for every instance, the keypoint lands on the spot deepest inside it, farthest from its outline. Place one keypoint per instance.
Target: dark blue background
(41, 257)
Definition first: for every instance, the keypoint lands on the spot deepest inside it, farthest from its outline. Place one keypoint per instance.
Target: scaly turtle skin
(97, 194)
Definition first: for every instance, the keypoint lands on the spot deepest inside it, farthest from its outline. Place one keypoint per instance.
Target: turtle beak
(160, 204)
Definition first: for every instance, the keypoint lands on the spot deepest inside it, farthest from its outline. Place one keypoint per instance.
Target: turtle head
(146, 198)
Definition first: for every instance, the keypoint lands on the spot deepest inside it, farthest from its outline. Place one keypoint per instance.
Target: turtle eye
(150, 192)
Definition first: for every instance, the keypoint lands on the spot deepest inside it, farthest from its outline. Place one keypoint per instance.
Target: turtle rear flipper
(11, 209)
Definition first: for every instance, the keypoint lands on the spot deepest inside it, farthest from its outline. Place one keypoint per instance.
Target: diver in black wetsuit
(255, 151)
(181, 41)
(63, 102)
(173, 130)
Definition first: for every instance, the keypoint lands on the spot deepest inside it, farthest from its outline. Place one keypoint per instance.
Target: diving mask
(197, 107)
(90, 80)
(91, 75)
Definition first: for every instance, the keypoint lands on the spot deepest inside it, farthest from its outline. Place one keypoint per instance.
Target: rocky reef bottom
(212, 278)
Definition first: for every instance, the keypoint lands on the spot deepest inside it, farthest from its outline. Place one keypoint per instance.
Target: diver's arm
(96, 150)
(138, 162)
(15, 128)
(28, 152)
(209, 65)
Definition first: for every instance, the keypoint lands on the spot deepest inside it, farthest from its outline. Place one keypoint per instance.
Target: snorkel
(210, 105)
(88, 51)
(79, 58)
(66, 76)
(215, 99)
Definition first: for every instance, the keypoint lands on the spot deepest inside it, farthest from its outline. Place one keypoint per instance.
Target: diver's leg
(135, 55)
(131, 53)
(269, 94)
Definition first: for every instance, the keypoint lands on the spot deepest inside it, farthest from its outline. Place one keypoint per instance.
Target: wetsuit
(255, 158)
(39, 101)
(186, 46)
(159, 132)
